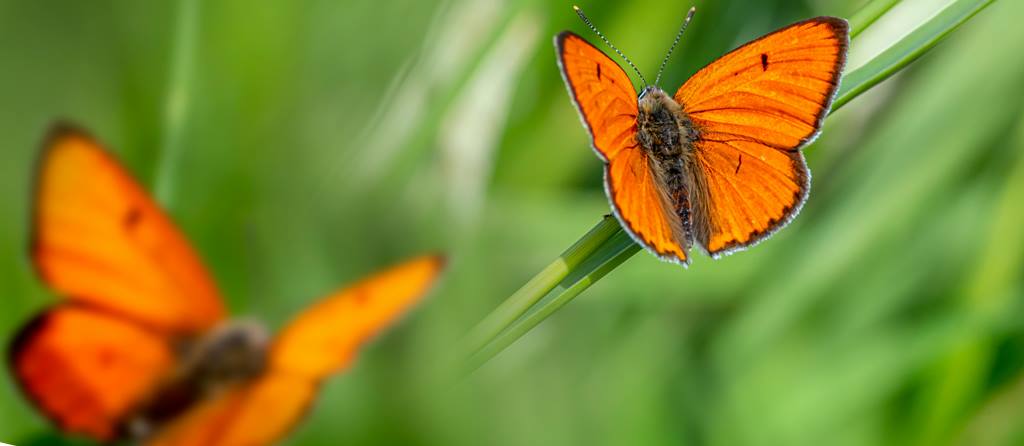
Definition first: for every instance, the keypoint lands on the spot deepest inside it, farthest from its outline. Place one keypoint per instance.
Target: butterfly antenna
(593, 28)
(679, 35)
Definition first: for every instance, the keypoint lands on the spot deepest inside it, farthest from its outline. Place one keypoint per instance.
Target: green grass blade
(868, 14)
(177, 99)
(608, 256)
(534, 290)
(908, 49)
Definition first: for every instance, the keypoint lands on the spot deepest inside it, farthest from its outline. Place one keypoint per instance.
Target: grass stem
(536, 288)
(868, 14)
(908, 49)
(177, 101)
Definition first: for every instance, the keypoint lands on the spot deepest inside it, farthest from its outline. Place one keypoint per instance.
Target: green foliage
(323, 140)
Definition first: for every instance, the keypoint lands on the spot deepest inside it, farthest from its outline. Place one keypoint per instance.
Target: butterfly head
(651, 93)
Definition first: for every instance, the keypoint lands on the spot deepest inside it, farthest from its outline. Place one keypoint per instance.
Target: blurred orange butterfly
(140, 347)
(719, 163)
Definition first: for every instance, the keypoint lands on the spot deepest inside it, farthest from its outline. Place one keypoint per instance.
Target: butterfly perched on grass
(717, 164)
(139, 347)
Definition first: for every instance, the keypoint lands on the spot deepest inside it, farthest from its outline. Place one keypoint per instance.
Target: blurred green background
(301, 145)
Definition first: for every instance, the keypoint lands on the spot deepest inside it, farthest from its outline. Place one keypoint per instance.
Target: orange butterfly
(719, 163)
(140, 348)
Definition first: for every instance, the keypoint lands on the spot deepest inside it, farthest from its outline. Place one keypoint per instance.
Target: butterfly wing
(86, 369)
(641, 204)
(100, 240)
(754, 108)
(322, 340)
(607, 103)
(253, 414)
(325, 338)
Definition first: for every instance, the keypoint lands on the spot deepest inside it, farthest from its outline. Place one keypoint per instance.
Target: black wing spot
(764, 62)
(739, 164)
(132, 218)
(598, 71)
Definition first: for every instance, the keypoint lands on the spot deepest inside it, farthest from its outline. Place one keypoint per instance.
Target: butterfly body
(232, 354)
(716, 165)
(667, 135)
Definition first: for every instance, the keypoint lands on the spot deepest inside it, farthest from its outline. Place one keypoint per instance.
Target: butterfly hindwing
(640, 201)
(87, 369)
(607, 102)
(753, 109)
(98, 239)
(254, 414)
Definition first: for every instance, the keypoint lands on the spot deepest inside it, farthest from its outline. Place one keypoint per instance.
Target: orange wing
(254, 414)
(754, 108)
(100, 240)
(321, 341)
(607, 102)
(326, 337)
(87, 369)
(641, 204)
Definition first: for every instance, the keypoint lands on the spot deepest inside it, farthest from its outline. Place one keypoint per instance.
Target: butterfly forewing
(98, 239)
(601, 91)
(325, 338)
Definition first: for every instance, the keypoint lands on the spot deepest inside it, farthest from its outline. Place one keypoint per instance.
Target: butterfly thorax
(663, 129)
(232, 354)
